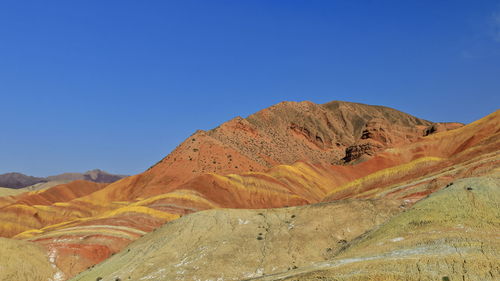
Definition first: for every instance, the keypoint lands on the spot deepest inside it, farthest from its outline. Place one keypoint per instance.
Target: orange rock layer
(83, 223)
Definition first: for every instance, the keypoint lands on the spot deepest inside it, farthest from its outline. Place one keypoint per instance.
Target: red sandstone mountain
(332, 133)
(289, 154)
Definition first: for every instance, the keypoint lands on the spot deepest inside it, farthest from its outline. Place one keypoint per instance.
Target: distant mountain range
(18, 180)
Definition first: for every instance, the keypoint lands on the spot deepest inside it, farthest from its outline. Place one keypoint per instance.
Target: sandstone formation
(452, 234)
(372, 158)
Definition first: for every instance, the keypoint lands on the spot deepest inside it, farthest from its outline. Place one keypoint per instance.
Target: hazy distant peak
(18, 180)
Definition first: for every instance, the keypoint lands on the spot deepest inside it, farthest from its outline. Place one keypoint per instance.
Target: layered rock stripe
(81, 230)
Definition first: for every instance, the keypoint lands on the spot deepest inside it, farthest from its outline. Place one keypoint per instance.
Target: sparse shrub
(419, 222)
(259, 238)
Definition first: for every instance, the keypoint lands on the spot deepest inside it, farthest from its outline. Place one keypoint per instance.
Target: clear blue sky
(116, 85)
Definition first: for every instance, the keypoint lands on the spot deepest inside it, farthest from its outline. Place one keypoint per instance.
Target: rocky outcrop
(379, 134)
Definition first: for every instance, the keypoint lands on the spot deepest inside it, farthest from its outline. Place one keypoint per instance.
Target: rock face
(223, 168)
(282, 134)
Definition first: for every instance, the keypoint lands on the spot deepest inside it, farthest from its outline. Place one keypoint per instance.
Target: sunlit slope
(36, 209)
(470, 150)
(108, 219)
(25, 261)
(91, 236)
(282, 134)
(239, 244)
(452, 235)
(82, 229)
(4, 191)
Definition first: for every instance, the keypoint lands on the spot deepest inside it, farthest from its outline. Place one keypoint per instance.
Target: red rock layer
(285, 153)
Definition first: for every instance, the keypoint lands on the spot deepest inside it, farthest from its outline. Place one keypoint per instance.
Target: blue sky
(116, 85)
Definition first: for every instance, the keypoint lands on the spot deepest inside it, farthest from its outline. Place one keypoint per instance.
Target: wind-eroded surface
(452, 235)
(388, 157)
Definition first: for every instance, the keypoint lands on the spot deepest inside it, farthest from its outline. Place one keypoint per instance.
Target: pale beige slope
(239, 244)
(452, 235)
(25, 261)
(5, 191)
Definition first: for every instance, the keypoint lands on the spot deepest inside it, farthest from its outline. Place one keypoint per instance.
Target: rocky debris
(441, 127)
(362, 150)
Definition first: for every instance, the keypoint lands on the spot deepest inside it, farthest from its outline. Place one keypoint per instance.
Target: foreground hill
(452, 234)
(394, 158)
(18, 180)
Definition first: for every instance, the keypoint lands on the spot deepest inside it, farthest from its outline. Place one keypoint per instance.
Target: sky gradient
(116, 85)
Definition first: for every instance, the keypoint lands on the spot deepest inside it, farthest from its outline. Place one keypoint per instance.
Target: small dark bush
(419, 223)
(259, 238)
